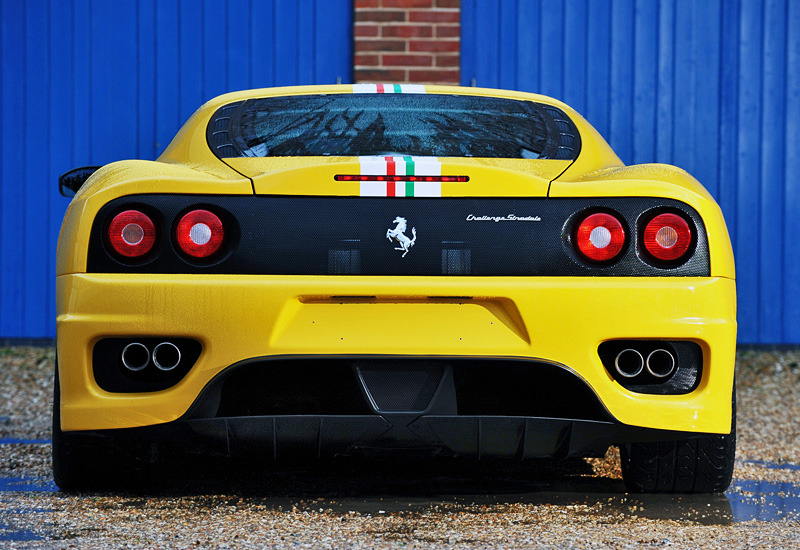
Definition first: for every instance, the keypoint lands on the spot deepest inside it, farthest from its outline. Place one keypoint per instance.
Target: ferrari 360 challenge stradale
(331, 270)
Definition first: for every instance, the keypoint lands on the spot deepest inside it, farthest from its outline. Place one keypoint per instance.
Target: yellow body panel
(314, 176)
(560, 320)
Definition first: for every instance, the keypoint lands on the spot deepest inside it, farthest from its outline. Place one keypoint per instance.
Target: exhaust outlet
(660, 363)
(166, 356)
(135, 356)
(629, 363)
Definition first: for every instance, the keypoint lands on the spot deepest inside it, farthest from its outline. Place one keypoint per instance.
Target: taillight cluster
(132, 234)
(199, 234)
(600, 237)
(666, 238)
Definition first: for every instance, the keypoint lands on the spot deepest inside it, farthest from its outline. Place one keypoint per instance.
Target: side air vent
(569, 140)
(218, 134)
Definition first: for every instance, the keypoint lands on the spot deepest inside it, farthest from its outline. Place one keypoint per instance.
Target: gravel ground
(432, 504)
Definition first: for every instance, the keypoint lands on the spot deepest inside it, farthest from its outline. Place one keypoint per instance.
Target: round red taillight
(132, 234)
(667, 237)
(600, 237)
(199, 234)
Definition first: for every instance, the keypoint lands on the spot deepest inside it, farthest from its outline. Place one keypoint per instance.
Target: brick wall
(407, 41)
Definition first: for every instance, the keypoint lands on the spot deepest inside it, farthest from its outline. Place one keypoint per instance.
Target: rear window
(434, 125)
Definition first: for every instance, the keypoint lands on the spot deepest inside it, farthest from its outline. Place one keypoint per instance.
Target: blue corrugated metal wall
(89, 82)
(712, 86)
(708, 85)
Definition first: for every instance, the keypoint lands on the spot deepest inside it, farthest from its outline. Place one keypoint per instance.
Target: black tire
(84, 462)
(698, 465)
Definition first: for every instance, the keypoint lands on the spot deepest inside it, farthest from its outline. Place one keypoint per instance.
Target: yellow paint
(314, 175)
(557, 319)
(561, 320)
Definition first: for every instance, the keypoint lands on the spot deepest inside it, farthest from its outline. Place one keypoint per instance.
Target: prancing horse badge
(398, 233)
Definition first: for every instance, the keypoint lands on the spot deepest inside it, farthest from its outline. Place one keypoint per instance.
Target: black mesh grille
(401, 387)
(345, 386)
(344, 262)
(324, 387)
(456, 262)
(516, 388)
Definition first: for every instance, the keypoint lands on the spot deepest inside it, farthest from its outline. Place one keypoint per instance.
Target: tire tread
(698, 465)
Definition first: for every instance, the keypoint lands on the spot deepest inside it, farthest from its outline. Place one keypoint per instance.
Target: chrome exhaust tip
(135, 356)
(629, 363)
(660, 363)
(166, 356)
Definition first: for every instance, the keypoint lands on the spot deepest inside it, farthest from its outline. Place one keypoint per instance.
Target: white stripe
(412, 88)
(399, 166)
(427, 166)
(365, 88)
(373, 166)
(373, 189)
(428, 188)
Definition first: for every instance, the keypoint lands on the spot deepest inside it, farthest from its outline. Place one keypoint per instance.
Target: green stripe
(397, 89)
(409, 166)
(409, 172)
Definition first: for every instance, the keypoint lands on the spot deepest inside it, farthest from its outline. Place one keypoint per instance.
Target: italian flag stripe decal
(400, 166)
(388, 89)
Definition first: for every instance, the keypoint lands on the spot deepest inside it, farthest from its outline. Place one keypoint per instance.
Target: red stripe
(390, 169)
(380, 88)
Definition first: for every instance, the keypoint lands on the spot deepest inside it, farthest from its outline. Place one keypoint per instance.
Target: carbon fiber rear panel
(363, 236)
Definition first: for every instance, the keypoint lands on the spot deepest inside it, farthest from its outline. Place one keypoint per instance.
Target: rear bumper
(557, 320)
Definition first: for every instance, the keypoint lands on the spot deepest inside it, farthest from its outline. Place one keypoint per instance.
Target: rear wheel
(87, 462)
(700, 465)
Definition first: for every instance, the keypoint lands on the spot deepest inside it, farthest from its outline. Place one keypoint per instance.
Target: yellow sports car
(334, 270)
